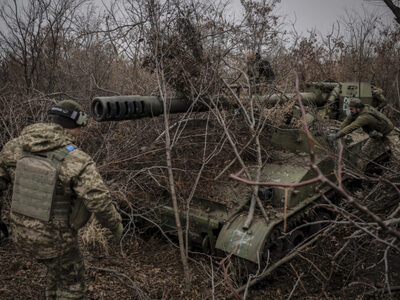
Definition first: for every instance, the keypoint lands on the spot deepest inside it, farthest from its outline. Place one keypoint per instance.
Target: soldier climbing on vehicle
(379, 128)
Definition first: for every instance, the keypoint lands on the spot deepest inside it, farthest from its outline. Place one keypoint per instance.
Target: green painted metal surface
(247, 244)
(351, 90)
(292, 140)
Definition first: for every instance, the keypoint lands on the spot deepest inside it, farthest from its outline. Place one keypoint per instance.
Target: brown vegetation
(53, 50)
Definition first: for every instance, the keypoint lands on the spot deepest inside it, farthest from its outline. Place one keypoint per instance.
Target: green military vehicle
(217, 219)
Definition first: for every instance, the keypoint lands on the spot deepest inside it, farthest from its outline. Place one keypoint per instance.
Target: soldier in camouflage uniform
(54, 242)
(374, 123)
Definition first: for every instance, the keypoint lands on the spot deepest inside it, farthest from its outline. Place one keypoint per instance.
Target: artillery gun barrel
(308, 98)
(118, 108)
(324, 86)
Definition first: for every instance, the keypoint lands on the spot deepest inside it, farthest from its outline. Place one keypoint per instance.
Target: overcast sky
(321, 14)
(312, 14)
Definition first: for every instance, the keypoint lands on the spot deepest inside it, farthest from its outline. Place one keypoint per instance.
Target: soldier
(259, 70)
(373, 122)
(55, 188)
(378, 99)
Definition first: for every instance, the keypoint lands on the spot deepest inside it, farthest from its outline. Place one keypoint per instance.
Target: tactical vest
(35, 192)
(385, 126)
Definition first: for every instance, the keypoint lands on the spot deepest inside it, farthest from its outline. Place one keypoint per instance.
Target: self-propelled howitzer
(217, 216)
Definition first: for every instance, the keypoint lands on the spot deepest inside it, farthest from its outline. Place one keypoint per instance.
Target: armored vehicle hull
(292, 212)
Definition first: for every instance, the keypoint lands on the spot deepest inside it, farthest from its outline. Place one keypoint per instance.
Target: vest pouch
(79, 215)
(34, 187)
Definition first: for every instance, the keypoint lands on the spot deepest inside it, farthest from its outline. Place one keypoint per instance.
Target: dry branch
(285, 259)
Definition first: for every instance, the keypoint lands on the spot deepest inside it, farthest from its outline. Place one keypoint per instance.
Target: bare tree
(392, 5)
(32, 35)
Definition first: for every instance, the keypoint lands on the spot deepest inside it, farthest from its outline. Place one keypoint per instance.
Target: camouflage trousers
(389, 142)
(65, 276)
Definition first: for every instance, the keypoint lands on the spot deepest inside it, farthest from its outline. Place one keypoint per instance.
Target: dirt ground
(151, 266)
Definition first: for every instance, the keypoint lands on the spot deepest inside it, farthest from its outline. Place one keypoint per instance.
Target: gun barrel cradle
(308, 98)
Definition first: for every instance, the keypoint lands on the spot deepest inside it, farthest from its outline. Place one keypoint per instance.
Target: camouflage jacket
(78, 176)
(369, 119)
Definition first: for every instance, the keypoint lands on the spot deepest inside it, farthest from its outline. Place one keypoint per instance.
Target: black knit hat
(66, 122)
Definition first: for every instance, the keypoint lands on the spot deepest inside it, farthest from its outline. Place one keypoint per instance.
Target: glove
(332, 137)
(117, 233)
(375, 135)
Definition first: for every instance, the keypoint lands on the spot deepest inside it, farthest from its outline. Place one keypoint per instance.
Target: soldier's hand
(375, 134)
(117, 233)
(332, 137)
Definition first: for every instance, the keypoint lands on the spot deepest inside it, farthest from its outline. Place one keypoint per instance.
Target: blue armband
(70, 148)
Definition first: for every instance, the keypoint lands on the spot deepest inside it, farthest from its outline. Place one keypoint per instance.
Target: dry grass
(95, 237)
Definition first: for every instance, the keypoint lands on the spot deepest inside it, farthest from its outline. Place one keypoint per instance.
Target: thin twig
(285, 259)
(138, 291)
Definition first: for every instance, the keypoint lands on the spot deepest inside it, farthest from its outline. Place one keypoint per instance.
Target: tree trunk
(395, 9)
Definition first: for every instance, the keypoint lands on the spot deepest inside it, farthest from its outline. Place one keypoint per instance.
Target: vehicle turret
(331, 98)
